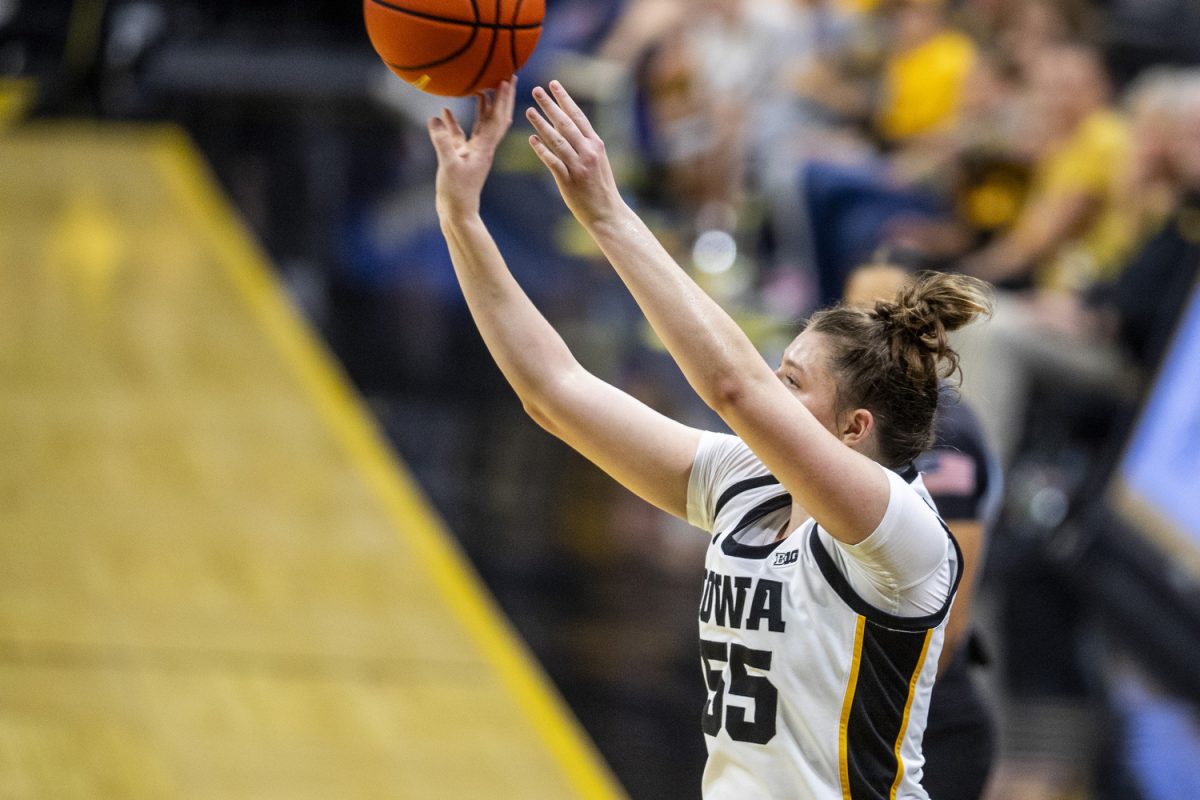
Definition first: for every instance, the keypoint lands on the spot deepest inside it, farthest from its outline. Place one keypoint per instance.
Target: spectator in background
(1075, 230)
(1108, 336)
(1152, 104)
(930, 75)
(963, 477)
(1139, 310)
(900, 76)
(1052, 725)
(975, 164)
(924, 74)
(709, 89)
(1030, 28)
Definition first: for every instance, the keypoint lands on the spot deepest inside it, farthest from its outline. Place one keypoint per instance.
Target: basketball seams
(512, 34)
(435, 45)
(491, 47)
(444, 59)
(497, 25)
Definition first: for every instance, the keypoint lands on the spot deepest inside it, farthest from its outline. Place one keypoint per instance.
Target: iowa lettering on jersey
(724, 601)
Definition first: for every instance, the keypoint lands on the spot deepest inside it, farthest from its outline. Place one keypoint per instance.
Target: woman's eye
(791, 381)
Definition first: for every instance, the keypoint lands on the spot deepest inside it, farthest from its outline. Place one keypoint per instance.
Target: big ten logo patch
(783, 559)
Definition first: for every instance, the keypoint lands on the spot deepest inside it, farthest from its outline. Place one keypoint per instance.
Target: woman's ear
(856, 426)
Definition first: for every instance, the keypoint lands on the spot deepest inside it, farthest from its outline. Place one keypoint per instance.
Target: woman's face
(805, 371)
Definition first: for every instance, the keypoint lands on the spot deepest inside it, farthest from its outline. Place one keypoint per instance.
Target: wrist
(456, 214)
(617, 217)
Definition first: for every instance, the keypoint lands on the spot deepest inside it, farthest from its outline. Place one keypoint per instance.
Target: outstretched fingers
(444, 137)
(556, 165)
(484, 104)
(437, 134)
(494, 109)
(457, 136)
(572, 109)
(575, 157)
(506, 99)
(565, 126)
(550, 136)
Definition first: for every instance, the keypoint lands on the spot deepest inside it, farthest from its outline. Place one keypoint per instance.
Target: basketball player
(829, 575)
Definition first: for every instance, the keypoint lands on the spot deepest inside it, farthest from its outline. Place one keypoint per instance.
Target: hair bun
(917, 319)
(925, 311)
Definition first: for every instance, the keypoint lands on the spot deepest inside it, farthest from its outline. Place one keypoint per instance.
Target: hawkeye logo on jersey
(783, 559)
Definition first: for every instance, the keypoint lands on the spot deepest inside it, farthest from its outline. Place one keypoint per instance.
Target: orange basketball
(454, 47)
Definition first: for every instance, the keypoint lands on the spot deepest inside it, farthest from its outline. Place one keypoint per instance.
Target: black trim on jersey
(909, 474)
(732, 547)
(842, 588)
(742, 486)
(888, 661)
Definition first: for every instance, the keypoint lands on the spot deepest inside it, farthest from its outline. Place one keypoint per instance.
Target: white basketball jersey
(813, 693)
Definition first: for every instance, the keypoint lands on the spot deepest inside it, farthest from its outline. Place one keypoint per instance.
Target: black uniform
(963, 477)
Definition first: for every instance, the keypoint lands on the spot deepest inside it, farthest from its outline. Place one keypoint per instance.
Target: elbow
(726, 393)
(538, 414)
(550, 402)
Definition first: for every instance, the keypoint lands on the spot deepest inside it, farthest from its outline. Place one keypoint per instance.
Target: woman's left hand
(569, 147)
(464, 162)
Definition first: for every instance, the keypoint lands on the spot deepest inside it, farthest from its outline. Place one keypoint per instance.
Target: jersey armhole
(842, 588)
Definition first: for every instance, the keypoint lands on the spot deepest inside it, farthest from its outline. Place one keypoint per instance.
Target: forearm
(713, 352)
(530, 353)
(722, 365)
(643, 450)
(1039, 232)
(835, 484)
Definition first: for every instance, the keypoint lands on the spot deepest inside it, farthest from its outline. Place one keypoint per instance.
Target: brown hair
(891, 360)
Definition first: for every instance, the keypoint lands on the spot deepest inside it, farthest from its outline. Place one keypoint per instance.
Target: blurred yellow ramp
(215, 580)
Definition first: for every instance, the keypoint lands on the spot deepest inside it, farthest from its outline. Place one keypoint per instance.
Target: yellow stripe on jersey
(848, 702)
(912, 690)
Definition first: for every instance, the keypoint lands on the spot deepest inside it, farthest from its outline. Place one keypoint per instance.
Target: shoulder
(725, 458)
(724, 466)
(907, 566)
(1106, 127)
(910, 516)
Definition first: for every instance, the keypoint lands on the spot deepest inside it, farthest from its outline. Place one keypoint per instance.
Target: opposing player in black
(829, 575)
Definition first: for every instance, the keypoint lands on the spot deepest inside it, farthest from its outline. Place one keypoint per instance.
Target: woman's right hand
(569, 147)
(464, 162)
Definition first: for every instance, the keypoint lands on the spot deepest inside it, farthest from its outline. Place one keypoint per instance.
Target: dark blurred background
(1052, 146)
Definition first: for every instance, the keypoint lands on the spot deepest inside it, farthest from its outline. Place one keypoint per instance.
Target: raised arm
(845, 491)
(640, 448)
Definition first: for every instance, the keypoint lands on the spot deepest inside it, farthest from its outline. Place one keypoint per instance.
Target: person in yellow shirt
(1075, 232)
(924, 75)
(1088, 164)
(1074, 229)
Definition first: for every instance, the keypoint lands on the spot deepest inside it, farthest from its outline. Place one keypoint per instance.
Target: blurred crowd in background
(1049, 146)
